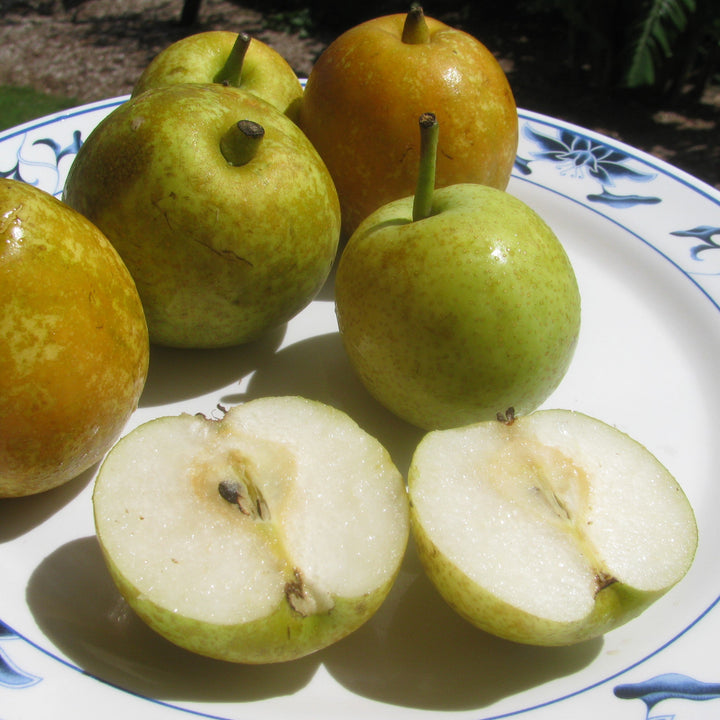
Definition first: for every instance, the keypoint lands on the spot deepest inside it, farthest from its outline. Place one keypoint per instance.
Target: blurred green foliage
(20, 104)
(671, 46)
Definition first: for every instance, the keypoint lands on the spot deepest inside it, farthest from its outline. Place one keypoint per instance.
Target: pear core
(280, 501)
(546, 512)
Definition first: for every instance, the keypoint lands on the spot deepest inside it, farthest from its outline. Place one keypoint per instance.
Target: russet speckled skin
(201, 56)
(363, 99)
(73, 342)
(219, 253)
(451, 319)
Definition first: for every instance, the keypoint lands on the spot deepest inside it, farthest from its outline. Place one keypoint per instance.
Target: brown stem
(240, 143)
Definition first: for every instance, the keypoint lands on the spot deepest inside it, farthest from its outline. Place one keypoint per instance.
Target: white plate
(645, 242)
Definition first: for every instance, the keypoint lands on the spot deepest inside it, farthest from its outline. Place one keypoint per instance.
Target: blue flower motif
(61, 152)
(577, 154)
(10, 675)
(13, 173)
(580, 156)
(705, 234)
(666, 687)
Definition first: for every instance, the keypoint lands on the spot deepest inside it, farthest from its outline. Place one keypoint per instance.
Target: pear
(259, 537)
(548, 529)
(457, 303)
(368, 86)
(73, 342)
(222, 210)
(229, 58)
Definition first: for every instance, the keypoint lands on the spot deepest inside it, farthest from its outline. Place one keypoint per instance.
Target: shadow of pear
(23, 514)
(176, 374)
(416, 652)
(77, 606)
(318, 368)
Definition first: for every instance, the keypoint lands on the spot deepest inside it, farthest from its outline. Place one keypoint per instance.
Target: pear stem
(422, 202)
(241, 142)
(415, 30)
(230, 72)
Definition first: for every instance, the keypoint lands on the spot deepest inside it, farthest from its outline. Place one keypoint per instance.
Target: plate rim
(675, 174)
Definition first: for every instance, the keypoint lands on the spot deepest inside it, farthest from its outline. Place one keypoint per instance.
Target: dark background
(566, 58)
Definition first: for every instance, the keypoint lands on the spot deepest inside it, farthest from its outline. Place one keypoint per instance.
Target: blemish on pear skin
(602, 581)
(295, 593)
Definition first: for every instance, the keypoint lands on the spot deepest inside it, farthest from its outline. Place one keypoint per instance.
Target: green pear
(457, 303)
(256, 538)
(221, 208)
(548, 529)
(73, 342)
(230, 58)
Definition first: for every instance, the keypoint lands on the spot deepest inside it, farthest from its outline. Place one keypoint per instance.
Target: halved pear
(547, 529)
(259, 537)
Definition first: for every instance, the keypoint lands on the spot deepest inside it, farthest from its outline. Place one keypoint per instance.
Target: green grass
(20, 104)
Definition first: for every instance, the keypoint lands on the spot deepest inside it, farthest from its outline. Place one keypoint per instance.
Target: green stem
(415, 30)
(422, 202)
(240, 143)
(230, 72)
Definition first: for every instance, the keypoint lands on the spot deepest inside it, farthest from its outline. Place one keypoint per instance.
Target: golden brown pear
(369, 86)
(73, 342)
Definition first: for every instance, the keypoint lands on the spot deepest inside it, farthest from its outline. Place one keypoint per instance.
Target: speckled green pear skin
(451, 319)
(615, 605)
(199, 57)
(281, 637)
(220, 253)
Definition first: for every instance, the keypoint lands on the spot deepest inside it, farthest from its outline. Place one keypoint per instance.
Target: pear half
(548, 529)
(259, 537)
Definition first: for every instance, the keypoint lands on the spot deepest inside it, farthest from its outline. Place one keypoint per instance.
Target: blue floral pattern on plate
(12, 676)
(667, 687)
(579, 165)
(578, 155)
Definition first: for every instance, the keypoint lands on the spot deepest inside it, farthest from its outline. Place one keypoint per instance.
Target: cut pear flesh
(549, 528)
(283, 510)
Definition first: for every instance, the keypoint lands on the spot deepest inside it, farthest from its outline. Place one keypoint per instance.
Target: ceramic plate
(645, 242)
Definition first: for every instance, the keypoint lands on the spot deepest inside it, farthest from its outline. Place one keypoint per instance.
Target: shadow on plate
(318, 368)
(176, 374)
(76, 604)
(20, 515)
(415, 652)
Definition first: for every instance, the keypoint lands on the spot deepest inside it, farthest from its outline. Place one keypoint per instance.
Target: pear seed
(247, 497)
(508, 417)
(232, 491)
(263, 511)
(229, 490)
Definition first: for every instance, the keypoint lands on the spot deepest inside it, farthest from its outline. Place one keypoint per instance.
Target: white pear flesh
(550, 529)
(259, 537)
